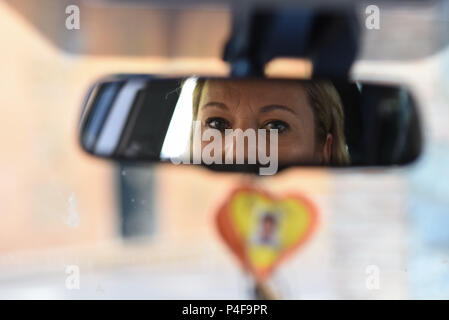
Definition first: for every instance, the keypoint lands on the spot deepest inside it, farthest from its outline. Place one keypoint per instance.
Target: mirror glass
(250, 124)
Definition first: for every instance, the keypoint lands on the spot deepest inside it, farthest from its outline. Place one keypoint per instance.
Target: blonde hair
(328, 114)
(329, 118)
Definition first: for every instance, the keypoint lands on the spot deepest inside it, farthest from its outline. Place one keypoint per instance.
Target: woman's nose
(240, 145)
(245, 123)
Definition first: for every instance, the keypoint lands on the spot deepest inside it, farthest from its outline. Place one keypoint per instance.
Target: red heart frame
(238, 246)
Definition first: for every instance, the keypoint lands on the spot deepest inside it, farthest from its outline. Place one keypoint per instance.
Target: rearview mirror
(250, 124)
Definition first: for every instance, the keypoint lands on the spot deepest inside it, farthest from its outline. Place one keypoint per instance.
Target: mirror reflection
(266, 123)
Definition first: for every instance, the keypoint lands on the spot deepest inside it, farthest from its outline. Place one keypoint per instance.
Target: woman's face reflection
(281, 105)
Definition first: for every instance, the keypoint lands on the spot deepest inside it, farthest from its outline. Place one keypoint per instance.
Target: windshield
(76, 227)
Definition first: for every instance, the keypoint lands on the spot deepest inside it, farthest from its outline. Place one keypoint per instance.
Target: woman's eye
(218, 123)
(281, 126)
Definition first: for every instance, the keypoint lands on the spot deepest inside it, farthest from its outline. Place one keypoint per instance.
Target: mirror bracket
(330, 39)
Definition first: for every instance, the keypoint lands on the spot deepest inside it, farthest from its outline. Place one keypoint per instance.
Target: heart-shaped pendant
(262, 230)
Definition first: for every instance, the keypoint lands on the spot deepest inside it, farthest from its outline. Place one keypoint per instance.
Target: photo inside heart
(262, 229)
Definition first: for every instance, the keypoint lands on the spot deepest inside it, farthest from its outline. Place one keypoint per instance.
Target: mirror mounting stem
(330, 39)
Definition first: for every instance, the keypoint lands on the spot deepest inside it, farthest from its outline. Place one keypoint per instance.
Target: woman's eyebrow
(272, 107)
(215, 104)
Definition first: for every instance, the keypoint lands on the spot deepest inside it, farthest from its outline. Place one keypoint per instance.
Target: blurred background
(148, 232)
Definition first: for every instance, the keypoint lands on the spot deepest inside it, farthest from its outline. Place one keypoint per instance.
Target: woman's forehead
(261, 91)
